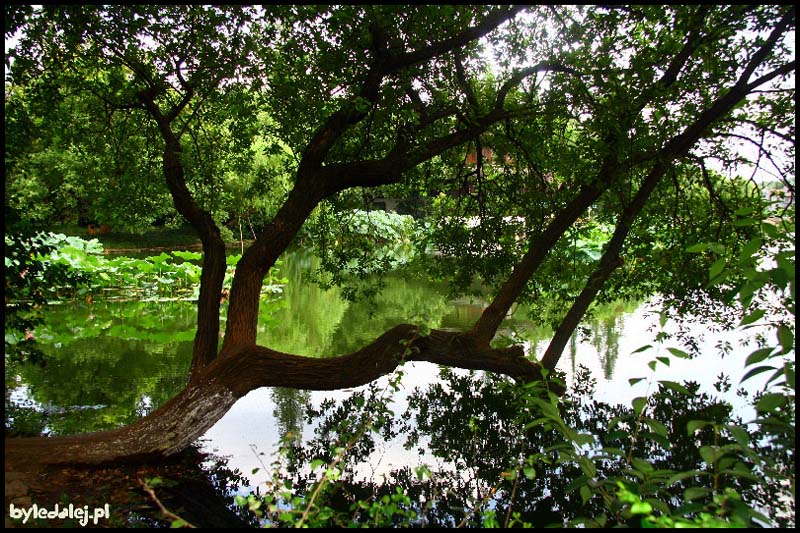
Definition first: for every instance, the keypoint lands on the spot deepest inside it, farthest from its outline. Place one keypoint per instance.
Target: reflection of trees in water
(471, 426)
(573, 350)
(314, 321)
(605, 339)
(604, 331)
(290, 406)
(104, 382)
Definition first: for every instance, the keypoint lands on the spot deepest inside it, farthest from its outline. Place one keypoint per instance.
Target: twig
(474, 509)
(168, 514)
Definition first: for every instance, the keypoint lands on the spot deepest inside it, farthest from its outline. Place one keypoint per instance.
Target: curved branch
(206, 340)
(521, 74)
(679, 61)
(206, 399)
(771, 131)
(492, 21)
(761, 54)
(760, 146)
(384, 64)
(713, 194)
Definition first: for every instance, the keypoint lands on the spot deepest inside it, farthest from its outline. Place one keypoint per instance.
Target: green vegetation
(554, 157)
(152, 237)
(167, 275)
(673, 458)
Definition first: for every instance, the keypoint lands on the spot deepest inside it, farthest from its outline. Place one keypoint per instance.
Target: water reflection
(109, 363)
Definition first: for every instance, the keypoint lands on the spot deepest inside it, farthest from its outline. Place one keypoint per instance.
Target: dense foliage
(558, 156)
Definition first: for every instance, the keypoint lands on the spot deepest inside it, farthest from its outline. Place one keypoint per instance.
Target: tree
(609, 108)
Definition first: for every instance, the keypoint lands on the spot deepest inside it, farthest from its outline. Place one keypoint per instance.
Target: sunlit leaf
(709, 454)
(638, 405)
(716, 268)
(694, 425)
(679, 353)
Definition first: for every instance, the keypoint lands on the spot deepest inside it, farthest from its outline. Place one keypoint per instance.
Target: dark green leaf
(752, 317)
(677, 387)
(638, 405)
(770, 402)
(758, 356)
(693, 493)
(694, 425)
(755, 371)
(786, 338)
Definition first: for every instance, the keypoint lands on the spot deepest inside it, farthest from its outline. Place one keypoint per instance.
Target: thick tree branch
(261, 256)
(178, 108)
(206, 340)
(693, 41)
(780, 71)
(769, 45)
(491, 22)
(386, 63)
(486, 326)
(608, 263)
(312, 186)
(217, 387)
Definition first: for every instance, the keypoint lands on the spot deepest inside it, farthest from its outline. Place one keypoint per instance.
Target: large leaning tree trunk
(219, 377)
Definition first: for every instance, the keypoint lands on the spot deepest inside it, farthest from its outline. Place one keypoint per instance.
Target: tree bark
(206, 341)
(486, 326)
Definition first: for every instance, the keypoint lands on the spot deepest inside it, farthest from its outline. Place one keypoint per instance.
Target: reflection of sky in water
(609, 357)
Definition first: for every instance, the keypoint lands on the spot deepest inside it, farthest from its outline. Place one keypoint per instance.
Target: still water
(109, 363)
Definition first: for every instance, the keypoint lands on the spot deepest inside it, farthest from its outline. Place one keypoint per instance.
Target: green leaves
(770, 402)
(716, 269)
(679, 353)
(694, 425)
(785, 338)
(638, 405)
(676, 387)
(154, 276)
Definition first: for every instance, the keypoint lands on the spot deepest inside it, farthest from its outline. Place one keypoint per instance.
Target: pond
(111, 362)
